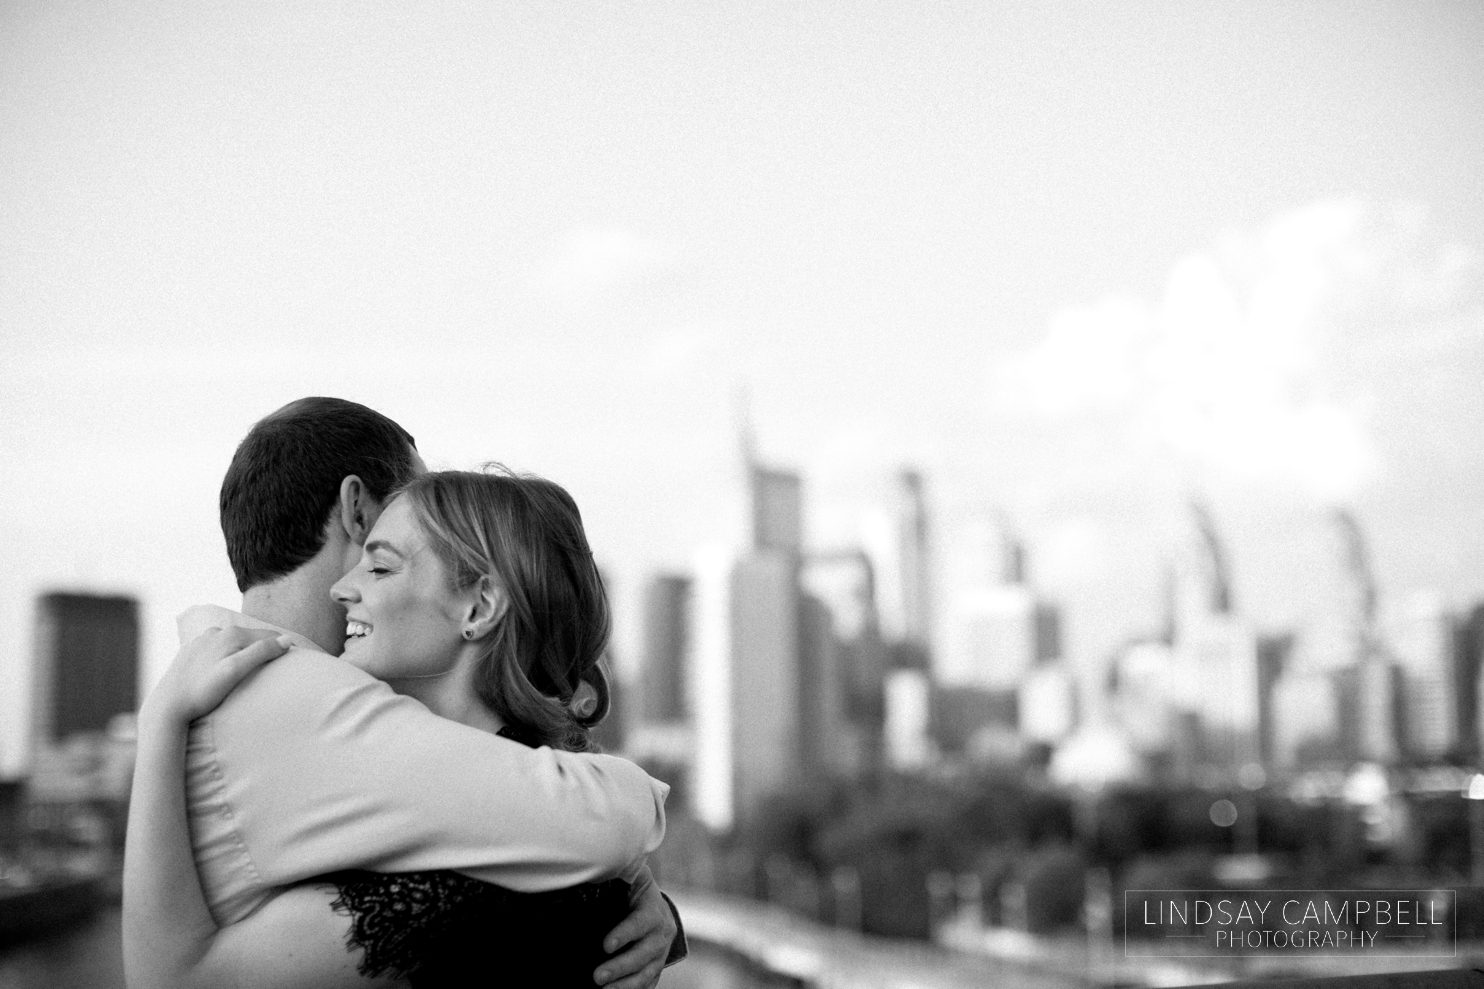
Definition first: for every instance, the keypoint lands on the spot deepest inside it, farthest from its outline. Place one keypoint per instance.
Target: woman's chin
(356, 652)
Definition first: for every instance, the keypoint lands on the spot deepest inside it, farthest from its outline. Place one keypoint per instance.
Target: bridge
(786, 950)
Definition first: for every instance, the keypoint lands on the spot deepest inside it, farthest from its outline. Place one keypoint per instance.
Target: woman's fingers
(646, 978)
(256, 654)
(210, 666)
(648, 933)
(220, 643)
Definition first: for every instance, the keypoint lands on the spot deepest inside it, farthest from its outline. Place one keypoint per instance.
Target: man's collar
(195, 620)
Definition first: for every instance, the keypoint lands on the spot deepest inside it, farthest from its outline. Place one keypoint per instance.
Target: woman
(476, 594)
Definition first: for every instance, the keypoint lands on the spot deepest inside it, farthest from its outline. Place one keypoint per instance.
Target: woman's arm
(170, 939)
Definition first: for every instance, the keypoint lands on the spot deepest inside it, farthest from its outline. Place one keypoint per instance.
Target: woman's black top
(442, 929)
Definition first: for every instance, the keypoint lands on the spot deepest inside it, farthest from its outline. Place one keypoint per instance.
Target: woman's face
(403, 620)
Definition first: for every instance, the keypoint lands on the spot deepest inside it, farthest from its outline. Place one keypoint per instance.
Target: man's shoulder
(305, 678)
(201, 617)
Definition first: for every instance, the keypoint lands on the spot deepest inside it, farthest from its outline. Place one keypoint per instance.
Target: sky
(1079, 263)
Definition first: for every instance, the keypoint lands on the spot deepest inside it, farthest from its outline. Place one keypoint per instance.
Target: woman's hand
(649, 934)
(209, 666)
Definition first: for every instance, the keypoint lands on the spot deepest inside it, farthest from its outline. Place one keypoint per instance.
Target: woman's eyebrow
(381, 544)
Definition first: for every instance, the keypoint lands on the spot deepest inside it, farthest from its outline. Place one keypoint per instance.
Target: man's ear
(356, 509)
(487, 608)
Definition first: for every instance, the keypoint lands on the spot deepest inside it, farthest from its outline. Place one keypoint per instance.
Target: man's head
(285, 481)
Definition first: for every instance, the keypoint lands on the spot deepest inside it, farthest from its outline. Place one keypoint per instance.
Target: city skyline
(1074, 267)
(1370, 682)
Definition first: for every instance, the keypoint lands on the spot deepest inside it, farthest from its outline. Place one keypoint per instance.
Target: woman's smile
(401, 590)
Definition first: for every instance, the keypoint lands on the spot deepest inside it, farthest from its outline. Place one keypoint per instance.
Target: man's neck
(300, 602)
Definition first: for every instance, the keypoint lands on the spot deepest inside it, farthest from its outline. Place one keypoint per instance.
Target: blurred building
(1468, 648)
(745, 666)
(659, 734)
(1307, 723)
(909, 707)
(1420, 632)
(1341, 631)
(902, 562)
(775, 500)
(1217, 651)
(1370, 693)
(85, 690)
(828, 742)
(1047, 704)
(914, 558)
(767, 668)
(86, 657)
(996, 634)
(666, 636)
(1221, 652)
(844, 583)
(901, 550)
(1200, 584)
(1342, 697)
(767, 684)
(1000, 639)
(1149, 697)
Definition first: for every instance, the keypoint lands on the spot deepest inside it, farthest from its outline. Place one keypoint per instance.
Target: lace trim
(396, 918)
(413, 923)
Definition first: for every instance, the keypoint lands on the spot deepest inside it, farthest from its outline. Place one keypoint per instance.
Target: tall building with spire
(901, 547)
(761, 656)
(1338, 697)
(914, 557)
(1218, 648)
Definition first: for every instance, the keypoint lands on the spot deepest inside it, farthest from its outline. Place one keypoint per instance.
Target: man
(312, 766)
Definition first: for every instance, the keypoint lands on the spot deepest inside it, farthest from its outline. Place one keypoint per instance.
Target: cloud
(1089, 361)
(677, 353)
(1257, 362)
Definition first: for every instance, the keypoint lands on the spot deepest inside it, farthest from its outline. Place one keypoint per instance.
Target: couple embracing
(423, 810)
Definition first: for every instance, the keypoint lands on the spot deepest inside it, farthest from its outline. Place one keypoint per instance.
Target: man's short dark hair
(285, 477)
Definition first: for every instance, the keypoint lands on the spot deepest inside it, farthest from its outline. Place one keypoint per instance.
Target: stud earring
(468, 633)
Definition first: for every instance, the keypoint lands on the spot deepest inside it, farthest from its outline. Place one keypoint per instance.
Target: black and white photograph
(792, 493)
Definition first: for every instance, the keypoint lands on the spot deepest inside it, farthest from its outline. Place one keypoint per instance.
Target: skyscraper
(997, 628)
(844, 582)
(747, 663)
(775, 500)
(1421, 636)
(1219, 649)
(662, 683)
(87, 664)
(913, 558)
(744, 670)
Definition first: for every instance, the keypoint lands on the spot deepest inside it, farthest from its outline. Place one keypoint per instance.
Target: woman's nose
(343, 592)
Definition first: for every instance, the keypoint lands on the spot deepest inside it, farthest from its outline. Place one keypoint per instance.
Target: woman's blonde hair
(541, 673)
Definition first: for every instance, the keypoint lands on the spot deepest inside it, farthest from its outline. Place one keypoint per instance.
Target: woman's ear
(488, 607)
(356, 509)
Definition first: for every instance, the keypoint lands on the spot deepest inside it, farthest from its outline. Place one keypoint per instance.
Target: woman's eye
(380, 570)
